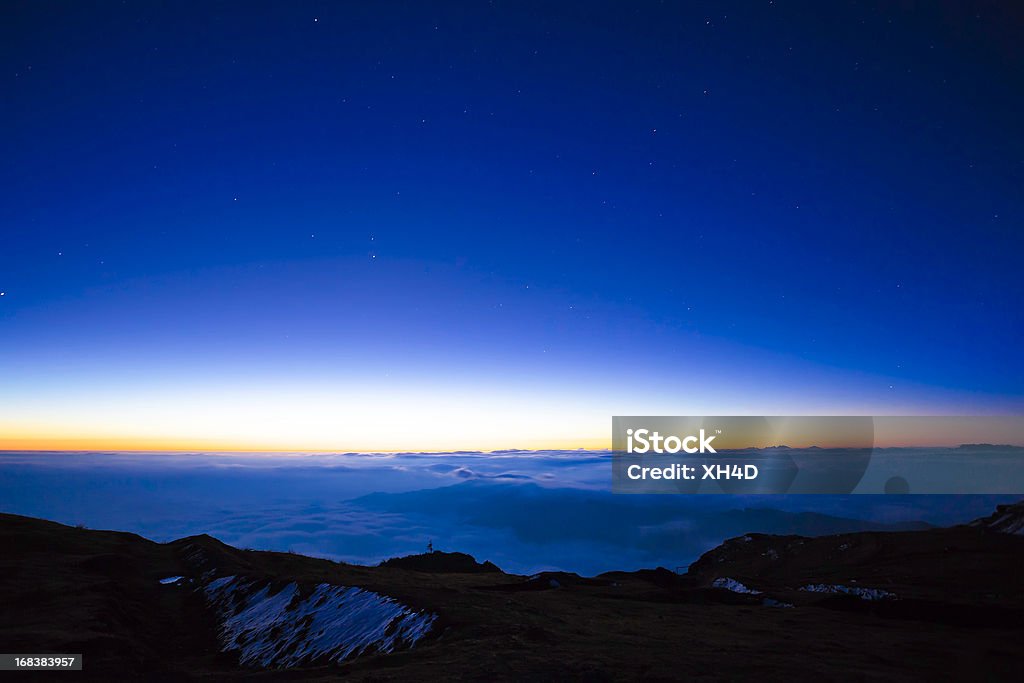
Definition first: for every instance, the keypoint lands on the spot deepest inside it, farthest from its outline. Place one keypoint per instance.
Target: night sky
(483, 225)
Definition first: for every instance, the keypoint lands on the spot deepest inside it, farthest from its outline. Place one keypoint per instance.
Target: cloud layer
(526, 511)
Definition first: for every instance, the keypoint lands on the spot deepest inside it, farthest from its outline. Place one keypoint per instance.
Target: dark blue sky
(756, 207)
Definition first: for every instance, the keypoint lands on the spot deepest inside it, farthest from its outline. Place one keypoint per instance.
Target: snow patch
(862, 593)
(733, 585)
(1009, 524)
(289, 626)
(1007, 519)
(171, 579)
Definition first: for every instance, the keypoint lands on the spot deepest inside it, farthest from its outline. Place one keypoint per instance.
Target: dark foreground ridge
(440, 562)
(911, 605)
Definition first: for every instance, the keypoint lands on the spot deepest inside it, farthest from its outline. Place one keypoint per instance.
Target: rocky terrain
(911, 605)
(1008, 519)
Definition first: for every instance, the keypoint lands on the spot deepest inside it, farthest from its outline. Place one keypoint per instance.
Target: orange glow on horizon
(147, 444)
(889, 432)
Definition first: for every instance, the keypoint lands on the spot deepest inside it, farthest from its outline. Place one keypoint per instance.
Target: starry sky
(490, 225)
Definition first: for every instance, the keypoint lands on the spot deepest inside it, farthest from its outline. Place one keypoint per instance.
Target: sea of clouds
(524, 510)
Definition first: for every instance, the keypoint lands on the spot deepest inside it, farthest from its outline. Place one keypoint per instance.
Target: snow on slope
(862, 593)
(1009, 519)
(293, 626)
(733, 585)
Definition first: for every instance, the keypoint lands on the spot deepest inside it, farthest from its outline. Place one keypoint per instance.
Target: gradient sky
(483, 225)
